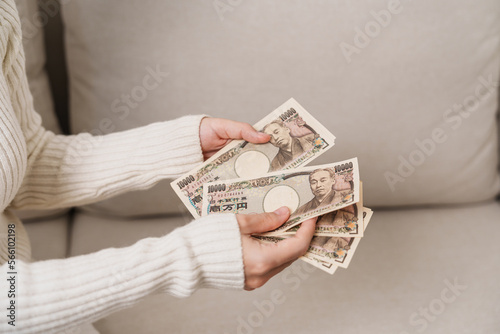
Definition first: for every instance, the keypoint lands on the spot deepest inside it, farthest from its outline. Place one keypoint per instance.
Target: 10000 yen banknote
(346, 222)
(308, 192)
(337, 250)
(296, 139)
(327, 253)
(307, 257)
(325, 266)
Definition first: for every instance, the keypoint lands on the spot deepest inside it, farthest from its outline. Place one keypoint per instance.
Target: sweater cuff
(216, 247)
(186, 137)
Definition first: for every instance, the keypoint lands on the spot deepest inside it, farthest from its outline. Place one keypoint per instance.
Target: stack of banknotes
(255, 178)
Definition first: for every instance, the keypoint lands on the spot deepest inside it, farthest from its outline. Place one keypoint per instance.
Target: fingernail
(282, 211)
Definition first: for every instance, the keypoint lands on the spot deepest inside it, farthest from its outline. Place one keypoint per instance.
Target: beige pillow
(409, 87)
(34, 50)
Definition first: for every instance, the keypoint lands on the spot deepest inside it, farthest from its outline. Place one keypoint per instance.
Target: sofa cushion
(48, 237)
(92, 232)
(403, 271)
(411, 87)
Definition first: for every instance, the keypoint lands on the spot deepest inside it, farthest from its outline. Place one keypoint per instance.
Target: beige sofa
(409, 87)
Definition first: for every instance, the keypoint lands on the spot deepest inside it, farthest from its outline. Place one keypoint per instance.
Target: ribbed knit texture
(56, 294)
(41, 170)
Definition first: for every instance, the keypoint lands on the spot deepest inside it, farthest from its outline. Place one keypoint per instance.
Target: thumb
(239, 130)
(262, 222)
(253, 136)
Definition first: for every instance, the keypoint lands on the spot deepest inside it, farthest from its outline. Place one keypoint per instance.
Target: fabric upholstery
(403, 264)
(48, 237)
(384, 79)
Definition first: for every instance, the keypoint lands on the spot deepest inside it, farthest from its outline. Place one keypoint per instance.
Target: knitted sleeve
(58, 294)
(74, 170)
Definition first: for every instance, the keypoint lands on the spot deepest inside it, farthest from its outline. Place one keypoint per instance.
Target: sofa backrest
(410, 88)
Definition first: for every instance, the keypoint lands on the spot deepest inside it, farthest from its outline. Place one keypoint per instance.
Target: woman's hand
(262, 261)
(217, 132)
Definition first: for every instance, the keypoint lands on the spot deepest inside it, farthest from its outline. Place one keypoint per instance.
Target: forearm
(57, 294)
(74, 170)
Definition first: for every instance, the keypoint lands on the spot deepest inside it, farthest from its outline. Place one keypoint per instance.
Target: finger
(238, 130)
(307, 228)
(262, 222)
(291, 248)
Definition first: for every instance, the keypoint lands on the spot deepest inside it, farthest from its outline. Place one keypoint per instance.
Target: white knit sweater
(40, 170)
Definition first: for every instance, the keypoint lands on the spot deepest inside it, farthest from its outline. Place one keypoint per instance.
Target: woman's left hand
(215, 133)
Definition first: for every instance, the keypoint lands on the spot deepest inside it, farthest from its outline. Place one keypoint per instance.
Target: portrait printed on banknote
(291, 139)
(322, 182)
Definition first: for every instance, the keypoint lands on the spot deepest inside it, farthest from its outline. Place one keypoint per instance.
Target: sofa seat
(48, 235)
(432, 270)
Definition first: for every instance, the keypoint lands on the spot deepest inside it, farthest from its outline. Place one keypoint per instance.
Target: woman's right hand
(261, 260)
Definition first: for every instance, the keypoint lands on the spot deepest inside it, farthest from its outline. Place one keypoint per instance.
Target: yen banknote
(336, 250)
(296, 139)
(307, 191)
(346, 222)
(327, 253)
